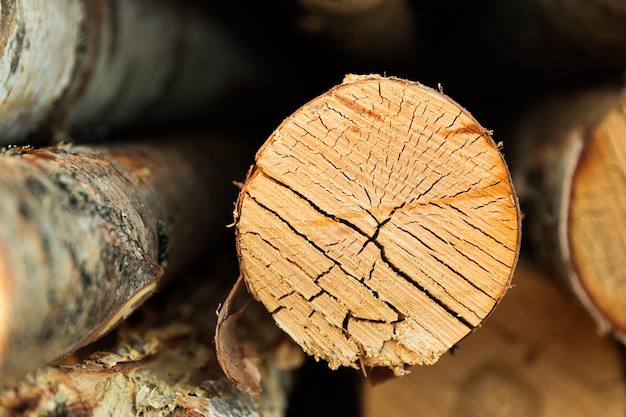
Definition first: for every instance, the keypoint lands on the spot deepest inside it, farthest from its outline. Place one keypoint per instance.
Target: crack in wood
(350, 194)
(384, 257)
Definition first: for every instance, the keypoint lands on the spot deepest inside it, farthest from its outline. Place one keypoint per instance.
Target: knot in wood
(379, 225)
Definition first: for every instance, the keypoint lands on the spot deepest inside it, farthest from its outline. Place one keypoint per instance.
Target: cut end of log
(597, 220)
(379, 225)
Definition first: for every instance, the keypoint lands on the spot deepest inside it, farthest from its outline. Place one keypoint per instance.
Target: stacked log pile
(377, 230)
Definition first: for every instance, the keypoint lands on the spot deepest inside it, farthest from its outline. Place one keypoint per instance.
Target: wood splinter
(379, 225)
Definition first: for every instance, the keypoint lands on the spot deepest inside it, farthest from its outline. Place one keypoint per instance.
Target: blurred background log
(88, 233)
(538, 355)
(571, 172)
(84, 68)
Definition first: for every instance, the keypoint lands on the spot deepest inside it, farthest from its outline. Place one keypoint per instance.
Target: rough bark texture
(538, 355)
(96, 65)
(164, 364)
(379, 225)
(573, 186)
(87, 232)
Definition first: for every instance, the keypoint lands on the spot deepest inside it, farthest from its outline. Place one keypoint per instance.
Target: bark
(164, 364)
(91, 66)
(379, 225)
(88, 233)
(573, 186)
(537, 355)
(230, 352)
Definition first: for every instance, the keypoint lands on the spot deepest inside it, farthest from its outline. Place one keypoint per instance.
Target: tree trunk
(574, 187)
(379, 225)
(92, 66)
(537, 355)
(164, 364)
(89, 231)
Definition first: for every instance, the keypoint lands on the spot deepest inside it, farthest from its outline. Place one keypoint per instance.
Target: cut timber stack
(537, 356)
(575, 186)
(378, 225)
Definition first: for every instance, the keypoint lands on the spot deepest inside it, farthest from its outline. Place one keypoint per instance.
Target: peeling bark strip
(379, 225)
(575, 188)
(70, 64)
(86, 234)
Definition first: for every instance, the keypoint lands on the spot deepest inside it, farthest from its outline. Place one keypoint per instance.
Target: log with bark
(537, 355)
(573, 184)
(378, 225)
(95, 66)
(88, 232)
(164, 363)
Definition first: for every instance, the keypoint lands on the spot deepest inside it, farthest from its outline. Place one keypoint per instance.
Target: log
(86, 68)
(537, 355)
(574, 189)
(378, 225)
(88, 233)
(164, 364)
(375, 29)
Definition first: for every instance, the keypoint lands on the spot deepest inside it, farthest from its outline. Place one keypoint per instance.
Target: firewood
(88, 232)
(537, 355)
(164, 364)
(94, 66)
(378, 225)
(574, 189)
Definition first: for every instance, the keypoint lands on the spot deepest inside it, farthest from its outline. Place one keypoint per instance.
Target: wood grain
(379, 225)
